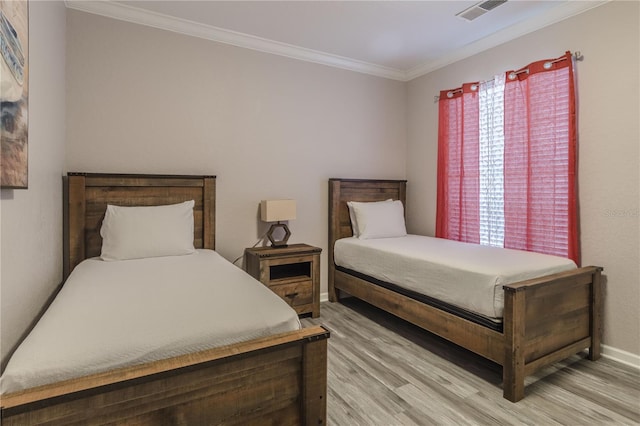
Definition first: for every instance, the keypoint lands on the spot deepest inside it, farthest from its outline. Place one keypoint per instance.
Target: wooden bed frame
(280, 379)
(545, 319)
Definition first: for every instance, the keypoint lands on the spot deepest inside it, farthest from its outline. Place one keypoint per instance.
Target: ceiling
(392, 39)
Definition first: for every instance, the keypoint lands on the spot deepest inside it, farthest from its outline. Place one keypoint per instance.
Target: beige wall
(608, 90)
(31, 229)
(151, 101)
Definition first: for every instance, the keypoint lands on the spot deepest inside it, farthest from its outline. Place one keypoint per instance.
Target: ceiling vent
(479, 9)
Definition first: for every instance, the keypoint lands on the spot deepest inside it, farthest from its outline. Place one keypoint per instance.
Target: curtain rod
(577, 56)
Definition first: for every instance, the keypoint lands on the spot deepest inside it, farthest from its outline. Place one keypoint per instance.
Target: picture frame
(14, 94)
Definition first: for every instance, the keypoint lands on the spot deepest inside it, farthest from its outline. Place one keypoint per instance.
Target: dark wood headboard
(343, 190)
(86, 196)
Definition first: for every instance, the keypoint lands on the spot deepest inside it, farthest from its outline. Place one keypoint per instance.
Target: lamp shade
(277, 210)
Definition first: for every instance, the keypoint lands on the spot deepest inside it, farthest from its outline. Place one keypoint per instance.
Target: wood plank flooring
(385, 371)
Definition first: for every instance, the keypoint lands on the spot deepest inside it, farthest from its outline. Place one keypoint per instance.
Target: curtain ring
(547, 65)
(474, 87)
(512, 76)
(449, 95)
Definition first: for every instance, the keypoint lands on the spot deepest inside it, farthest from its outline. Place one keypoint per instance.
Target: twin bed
(521, 310)
(177, 337)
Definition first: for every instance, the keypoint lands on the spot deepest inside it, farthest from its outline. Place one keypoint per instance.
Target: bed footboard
(549, 319)
(273, 380)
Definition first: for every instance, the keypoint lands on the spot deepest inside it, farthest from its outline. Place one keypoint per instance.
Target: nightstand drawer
(295, 294)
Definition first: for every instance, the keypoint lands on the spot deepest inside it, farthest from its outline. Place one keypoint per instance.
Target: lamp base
(283, 241)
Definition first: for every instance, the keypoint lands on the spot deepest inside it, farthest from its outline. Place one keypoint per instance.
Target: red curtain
(540, 203)
(457, 214)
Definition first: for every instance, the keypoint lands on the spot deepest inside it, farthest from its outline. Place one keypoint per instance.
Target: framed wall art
(14, 93)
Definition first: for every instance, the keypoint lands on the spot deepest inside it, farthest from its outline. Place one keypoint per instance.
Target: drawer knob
(291, 295)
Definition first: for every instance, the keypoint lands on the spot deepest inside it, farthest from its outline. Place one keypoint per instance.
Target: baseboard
(621, 356)
(324, 297)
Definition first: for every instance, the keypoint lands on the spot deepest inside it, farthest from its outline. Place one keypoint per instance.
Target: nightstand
(292, 272)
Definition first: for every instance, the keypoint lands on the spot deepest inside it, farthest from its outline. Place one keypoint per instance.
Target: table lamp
(277, 211)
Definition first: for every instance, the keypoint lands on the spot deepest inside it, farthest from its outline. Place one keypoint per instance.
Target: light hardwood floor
(385, 371)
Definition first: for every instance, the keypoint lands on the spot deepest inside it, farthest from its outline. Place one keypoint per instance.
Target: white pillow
(138, 232)
(380, 219)
(352, 214)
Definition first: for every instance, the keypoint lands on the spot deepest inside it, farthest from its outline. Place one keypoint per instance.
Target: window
(507, 160)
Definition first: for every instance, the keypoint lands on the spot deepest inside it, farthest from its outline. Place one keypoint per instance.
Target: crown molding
(157, 20)
(555, 15)
(139, 16)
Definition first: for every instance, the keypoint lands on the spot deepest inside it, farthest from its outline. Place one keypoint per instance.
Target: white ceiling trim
(553, 16)
(157, 20)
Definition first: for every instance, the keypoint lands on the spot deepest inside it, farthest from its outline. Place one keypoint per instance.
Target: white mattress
(116, 314)
(469, 276)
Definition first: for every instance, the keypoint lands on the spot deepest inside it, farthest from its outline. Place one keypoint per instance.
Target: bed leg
(314, 383)
(334, 295)
(595, 326)
(514, 327)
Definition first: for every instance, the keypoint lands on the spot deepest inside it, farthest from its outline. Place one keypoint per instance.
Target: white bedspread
(469, 276)
(116, 314)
